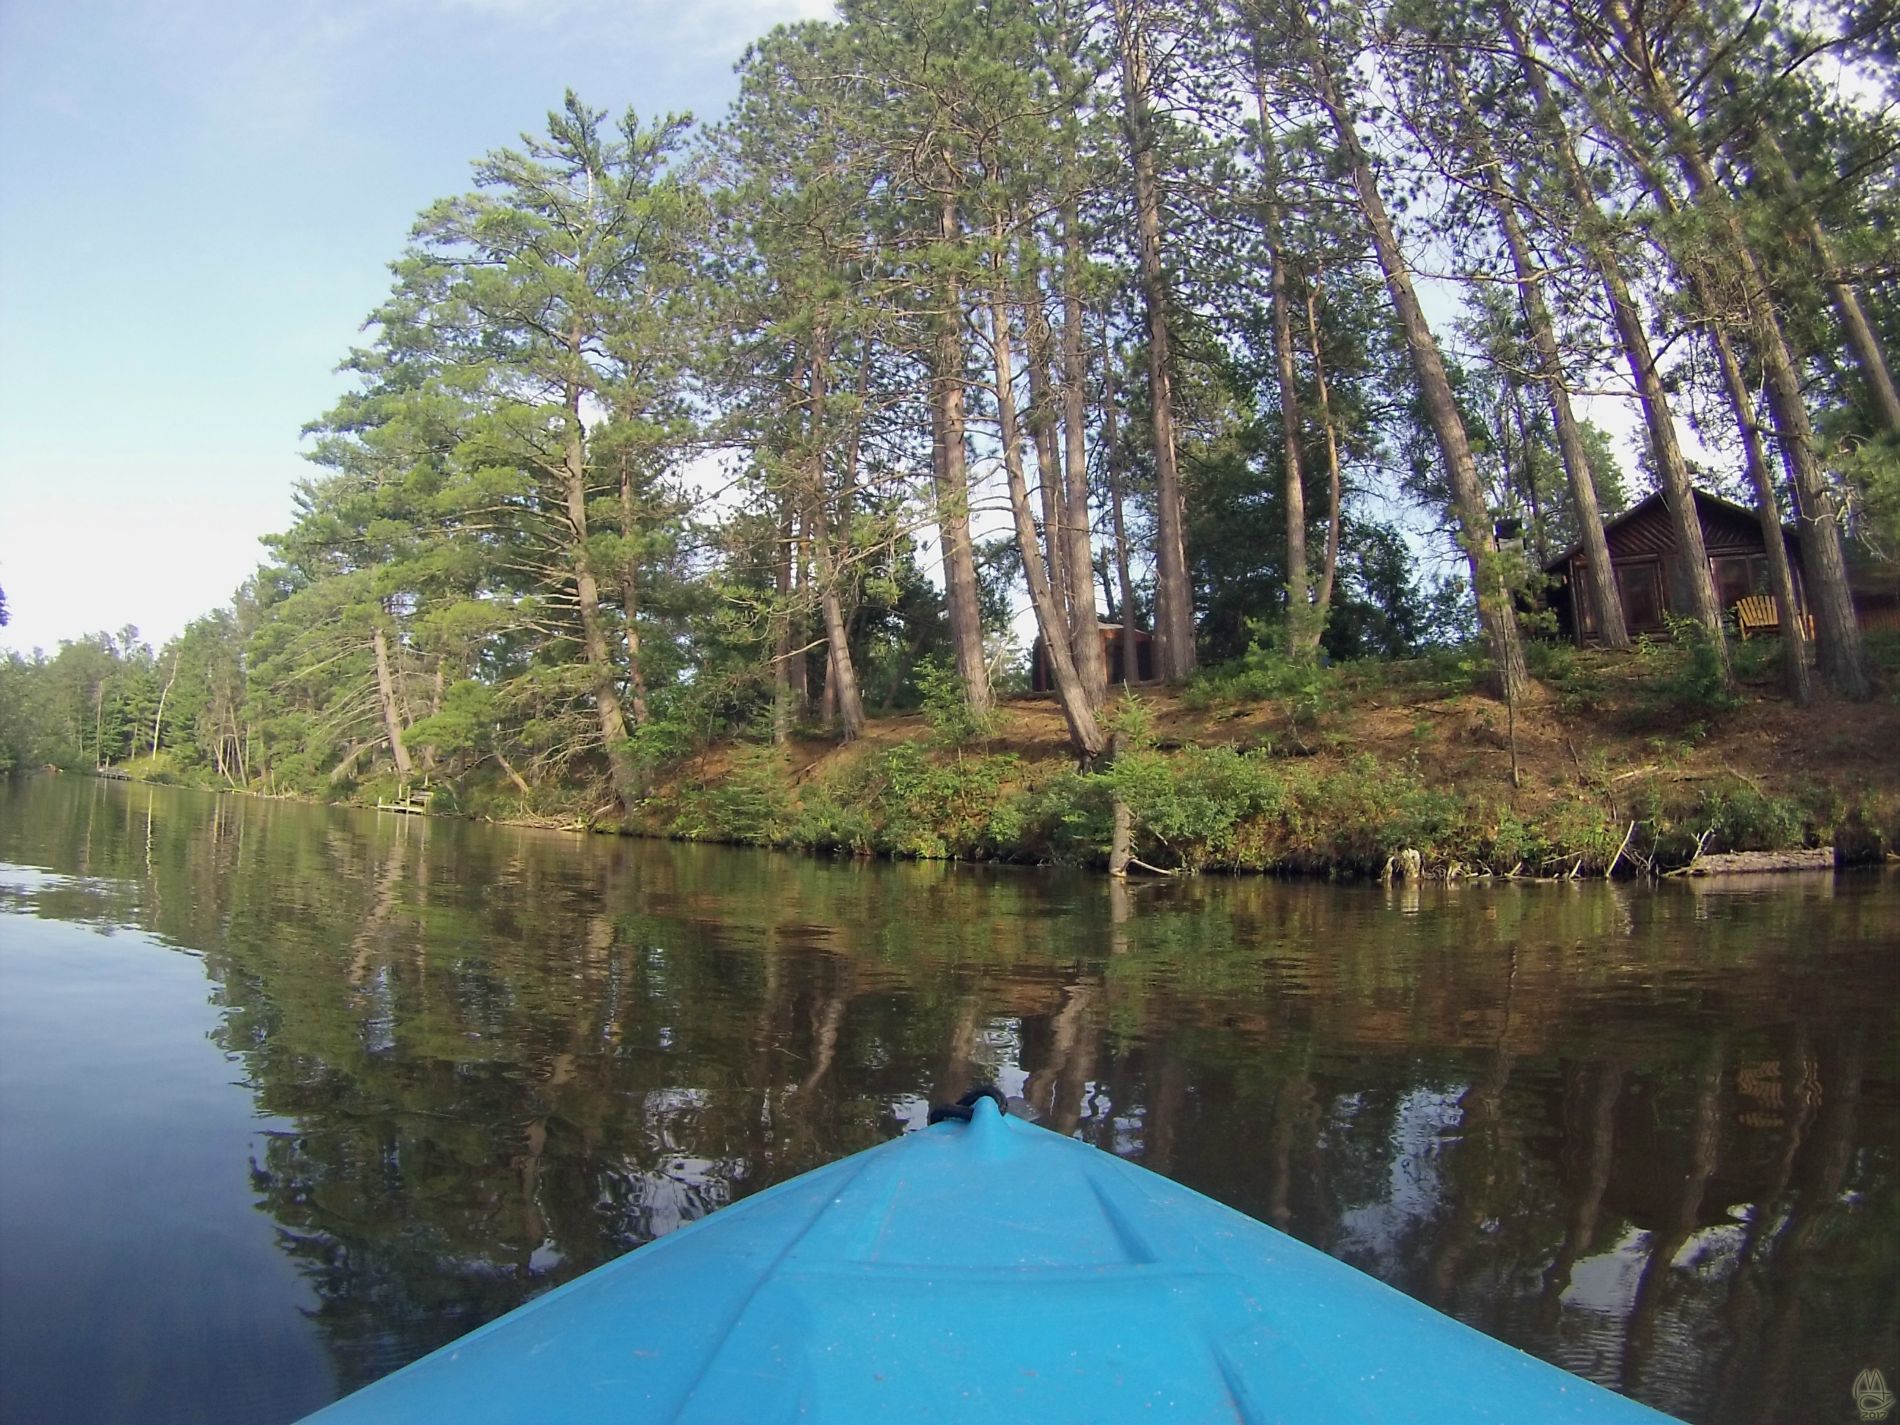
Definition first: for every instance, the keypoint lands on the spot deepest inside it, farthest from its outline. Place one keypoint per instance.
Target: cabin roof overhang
(1705, 504)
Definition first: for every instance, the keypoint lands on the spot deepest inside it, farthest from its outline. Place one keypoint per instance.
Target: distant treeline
(1113, 311)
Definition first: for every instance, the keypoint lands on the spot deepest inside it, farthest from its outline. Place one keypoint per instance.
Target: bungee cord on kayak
(961, 1110)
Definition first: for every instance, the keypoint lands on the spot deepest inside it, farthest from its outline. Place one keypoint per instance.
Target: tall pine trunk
(1858, 332)
(1125, 582)
(386, 697)
(1496, 616)
(1174, 598)
(1842, 660)
(1599, 578)
(1794, 633)
(950, 475)
(841, 686)
(1038, 344)
(783, 692)
(1085, 637)
(1693, 575)
(800, 667)
(1329, 562)
(613, 723)
(630, 596)
(1077, 708)
(1302, 631)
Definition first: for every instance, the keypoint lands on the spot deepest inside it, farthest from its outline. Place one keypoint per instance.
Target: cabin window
(1737, 576)
(1640, 587)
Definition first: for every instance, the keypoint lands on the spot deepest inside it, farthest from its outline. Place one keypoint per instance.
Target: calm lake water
(290, 1095)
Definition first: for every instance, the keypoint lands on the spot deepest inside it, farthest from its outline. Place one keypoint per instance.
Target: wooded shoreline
(1271, 337)
(1607, 773)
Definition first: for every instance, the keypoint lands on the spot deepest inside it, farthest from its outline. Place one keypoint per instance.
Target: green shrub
(1576, 678)
(161, 767)
(1193, 802)
(922, 807)
(1210, 806)
(1551, 661)
(1306, 688)
(1354, 818)
(1757, 661)
(1681, 680)
(1741, 818)
(1448, 670)
(1069, 818)
(1570, 834)
(1131, 722)
(750, 805)
(1883, 653)
(828, 821)
(383, 786)
(655, 746)
(947, 708)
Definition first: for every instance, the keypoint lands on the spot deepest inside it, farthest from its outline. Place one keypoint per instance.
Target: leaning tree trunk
(630, 596)
(1111, 443)
(1329, 564)
(1599, 577)
(1856, 330)
(158, 720)
(950, 474)
(613, 723)
(1794, 633)
(782, 689)
(841, 687)
(1843, 662)
(386, 696)
(1037, 344)
(1085, 636)
(1496, 616)
(1692, 558)
(1174, 598)
(1077, 708)
(1302, 631)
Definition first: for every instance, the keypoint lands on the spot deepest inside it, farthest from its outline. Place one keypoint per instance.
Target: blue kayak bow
(983, 1269)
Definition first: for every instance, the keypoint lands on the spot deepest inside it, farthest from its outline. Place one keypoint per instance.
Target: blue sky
(198, 200)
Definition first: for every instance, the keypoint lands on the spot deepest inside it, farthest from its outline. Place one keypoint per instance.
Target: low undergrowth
(1221, 808)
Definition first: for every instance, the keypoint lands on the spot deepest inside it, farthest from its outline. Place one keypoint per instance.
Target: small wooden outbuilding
(1142, 670)
(1874, 584)
(1642, 555)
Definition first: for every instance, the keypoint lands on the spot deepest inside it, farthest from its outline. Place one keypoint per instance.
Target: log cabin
(1042, 680)
(1642, 555)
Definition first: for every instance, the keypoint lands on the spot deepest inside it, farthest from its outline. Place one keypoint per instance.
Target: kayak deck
(988, 1270)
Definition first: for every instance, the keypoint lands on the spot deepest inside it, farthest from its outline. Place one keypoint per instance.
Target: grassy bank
(1269, 767)
(1636, 763)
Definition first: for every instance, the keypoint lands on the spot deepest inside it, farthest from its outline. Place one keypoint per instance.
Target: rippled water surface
(290, 1095)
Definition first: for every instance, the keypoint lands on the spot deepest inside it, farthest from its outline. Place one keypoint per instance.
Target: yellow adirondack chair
(1758, 613)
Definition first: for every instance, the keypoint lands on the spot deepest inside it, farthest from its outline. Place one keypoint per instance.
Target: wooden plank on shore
(1819, 858)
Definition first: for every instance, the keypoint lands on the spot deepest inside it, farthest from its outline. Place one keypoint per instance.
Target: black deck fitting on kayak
(965, 1106)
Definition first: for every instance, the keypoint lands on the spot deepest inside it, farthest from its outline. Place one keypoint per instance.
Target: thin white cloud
(694, 31)
(261, 75)
(276, 136)
(162, 553)
(258, 74)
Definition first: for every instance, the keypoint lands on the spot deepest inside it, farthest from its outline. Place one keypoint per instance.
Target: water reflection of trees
(1642, 1134)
